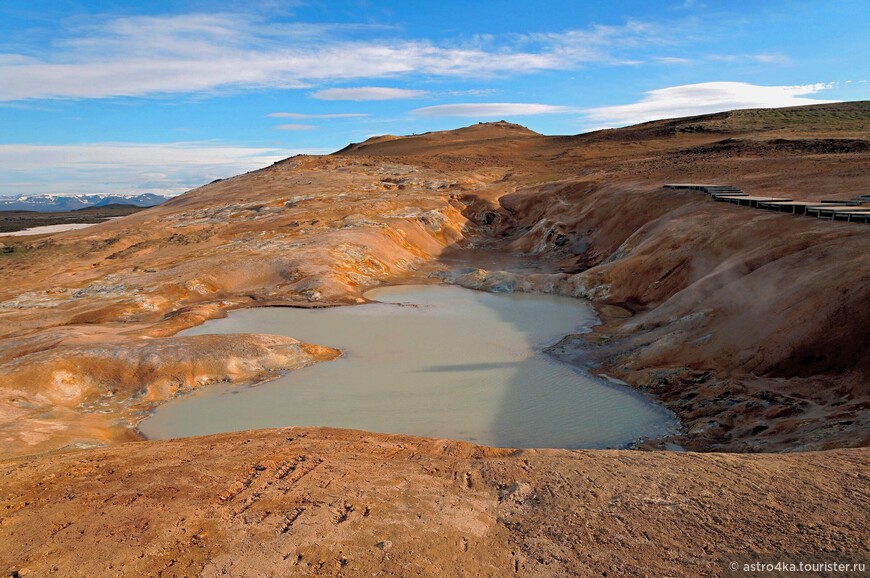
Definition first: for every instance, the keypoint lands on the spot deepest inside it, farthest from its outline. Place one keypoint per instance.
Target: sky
(115, 96)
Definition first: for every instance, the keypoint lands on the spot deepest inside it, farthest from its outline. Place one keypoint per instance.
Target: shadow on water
(565, 406)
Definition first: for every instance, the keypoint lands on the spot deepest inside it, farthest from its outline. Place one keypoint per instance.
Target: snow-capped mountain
(57, 203)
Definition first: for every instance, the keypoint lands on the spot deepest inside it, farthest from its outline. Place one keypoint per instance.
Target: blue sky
(160, 96)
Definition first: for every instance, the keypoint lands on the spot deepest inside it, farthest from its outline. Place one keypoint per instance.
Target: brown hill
(433, 142)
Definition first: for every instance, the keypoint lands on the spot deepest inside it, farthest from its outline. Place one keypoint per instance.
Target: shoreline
(582, 344)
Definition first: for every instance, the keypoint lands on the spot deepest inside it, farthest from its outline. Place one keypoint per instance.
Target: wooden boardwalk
(748, 200)
(855, 210)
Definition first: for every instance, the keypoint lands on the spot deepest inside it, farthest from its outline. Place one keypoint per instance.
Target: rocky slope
(750, 325)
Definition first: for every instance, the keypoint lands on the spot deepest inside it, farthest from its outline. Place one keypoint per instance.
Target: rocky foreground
(321, 502)
(750, 325)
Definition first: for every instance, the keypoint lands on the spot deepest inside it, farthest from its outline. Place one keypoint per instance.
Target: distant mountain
(58, 203)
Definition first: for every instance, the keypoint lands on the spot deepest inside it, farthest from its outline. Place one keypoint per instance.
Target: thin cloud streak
(295, 127)
(762, 58)
(671, 60)
(367, 93)
(304, 116)
(704, 98)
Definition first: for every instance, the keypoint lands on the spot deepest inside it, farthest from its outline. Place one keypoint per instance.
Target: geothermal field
(476, 352)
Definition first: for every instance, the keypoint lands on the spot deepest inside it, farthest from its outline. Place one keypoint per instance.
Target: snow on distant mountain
(57, 203)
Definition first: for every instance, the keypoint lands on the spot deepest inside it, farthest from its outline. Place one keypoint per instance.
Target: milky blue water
(435, 361)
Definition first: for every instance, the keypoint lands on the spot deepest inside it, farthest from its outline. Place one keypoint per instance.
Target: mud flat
(435, 361)
(45, 229)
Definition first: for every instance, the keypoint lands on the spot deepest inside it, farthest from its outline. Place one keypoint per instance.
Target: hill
(430, 142)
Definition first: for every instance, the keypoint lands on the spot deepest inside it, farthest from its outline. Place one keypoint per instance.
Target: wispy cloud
(201, 53)
(126, 167)
(292, 126)
(761, 58)
(772, 58)
(708, 97)
(691, 5)
(490, 109)
(473, 92)
(367, 93)
(302, 115)
(671, 60)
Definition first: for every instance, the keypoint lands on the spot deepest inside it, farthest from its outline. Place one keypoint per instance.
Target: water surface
(43, 229)
(436, 361)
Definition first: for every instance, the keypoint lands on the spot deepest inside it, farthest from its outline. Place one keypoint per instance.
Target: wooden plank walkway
(821, 212)
(856, 217)
(856, 210)
(749, 200)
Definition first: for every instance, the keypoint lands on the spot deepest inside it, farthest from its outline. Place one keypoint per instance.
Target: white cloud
(671, 60)
(367, 93)
(295, 127)
(301, 115)
(691, 5)
(166, 168)
(771, 58)
(708, 97)
(763, 58)
(201, 53)
(490, 109)
(472, 92)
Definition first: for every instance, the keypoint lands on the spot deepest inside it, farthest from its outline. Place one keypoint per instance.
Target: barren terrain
(750, 325)
(321, 502)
